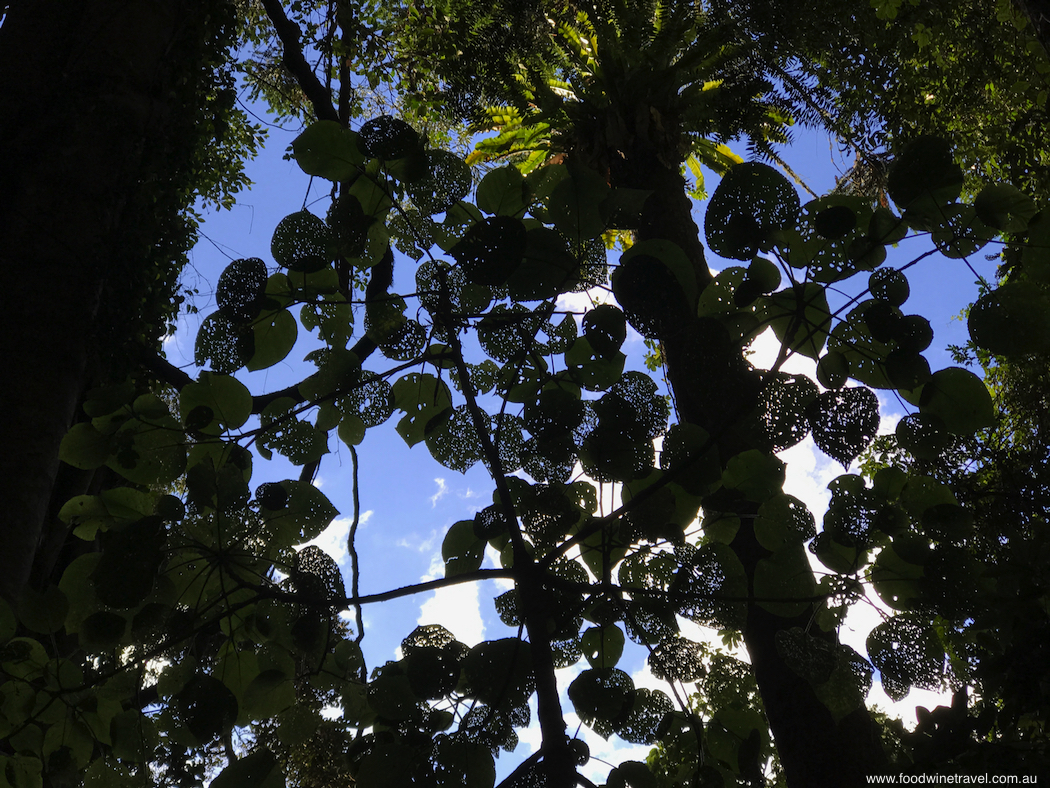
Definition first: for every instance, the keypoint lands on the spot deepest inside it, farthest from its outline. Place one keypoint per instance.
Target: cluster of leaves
(198, 162)
(986, 625)
(352, 46)
(974, 73)
(197, 617)
(547, 86)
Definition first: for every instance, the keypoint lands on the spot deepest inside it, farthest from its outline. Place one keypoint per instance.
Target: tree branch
(290, 35)
(178, 379)
(273, 592)
(558, 762)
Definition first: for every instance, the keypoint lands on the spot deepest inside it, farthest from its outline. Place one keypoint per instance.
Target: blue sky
(408, 501)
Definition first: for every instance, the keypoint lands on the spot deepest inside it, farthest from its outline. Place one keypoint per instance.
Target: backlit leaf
(800, 318)
(844, 422)
(751, 204)
(960, 399)
(327, 150)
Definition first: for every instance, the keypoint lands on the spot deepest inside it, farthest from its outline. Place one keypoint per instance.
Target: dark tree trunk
(90, 103)
(715, 388)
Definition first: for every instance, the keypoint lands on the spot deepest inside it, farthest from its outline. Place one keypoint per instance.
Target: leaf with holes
(447, 181)
(844, 422)
(461, 549)
(907, 653)
(227, 398)
(241, 289)
(784, 520)
(456, 444)
(306, 511)
(387, 137)
(647, 713)
(1012, 320)
(751, 205)
(603, 646)
(678, 659)
(783, 404)
(603, 698)
(302, 243)
(499, 673)
(830, 238)
(300, 441)
(547, 268)
(491, 250)
(227, 345)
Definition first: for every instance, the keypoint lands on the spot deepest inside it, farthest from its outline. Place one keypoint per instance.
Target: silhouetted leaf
(959, 398)
(751, 204)
(205, 707)
(925, 176)
(906, 653)
(241, 290)
(1011, 320)
(844, 422)
(386, 137)
(603, 698)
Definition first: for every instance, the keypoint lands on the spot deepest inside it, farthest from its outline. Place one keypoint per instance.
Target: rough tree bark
(715, 388)
(89, 100)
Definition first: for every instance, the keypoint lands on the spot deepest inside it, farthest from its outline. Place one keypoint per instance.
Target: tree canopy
(178, 633)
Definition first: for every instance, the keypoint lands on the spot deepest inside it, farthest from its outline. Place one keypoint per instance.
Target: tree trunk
(89, 101)
(715, 388)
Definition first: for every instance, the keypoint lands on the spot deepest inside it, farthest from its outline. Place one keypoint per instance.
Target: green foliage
(170, 575)
(192, 618)
(974, 73)
(199, 163)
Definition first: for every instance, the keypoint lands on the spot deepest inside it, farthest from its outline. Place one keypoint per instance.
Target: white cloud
(333, 540)
(582, 302)
(890, 416)
(765, 350)
(808, 473)
(441, 492)
(419, 546)
(904, 709)
(492, 559)
(864, 616)
(457, 608)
